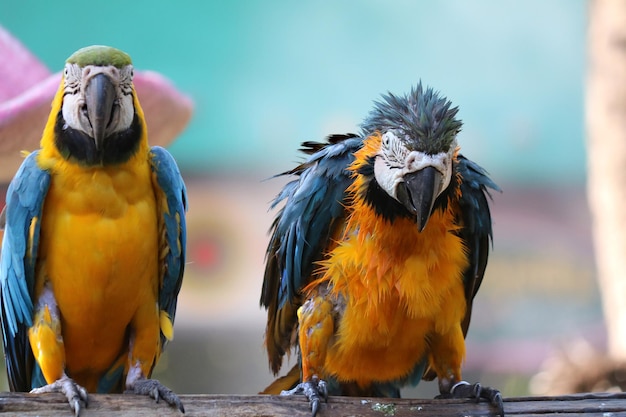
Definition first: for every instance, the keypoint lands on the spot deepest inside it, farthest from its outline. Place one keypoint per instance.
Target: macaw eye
(387, 138)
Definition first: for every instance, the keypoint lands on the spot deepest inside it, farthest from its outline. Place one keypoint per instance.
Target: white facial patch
(388, 163)
(394, 161)
(76, 80)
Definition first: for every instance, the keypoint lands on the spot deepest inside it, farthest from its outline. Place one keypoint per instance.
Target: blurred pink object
(27, 88)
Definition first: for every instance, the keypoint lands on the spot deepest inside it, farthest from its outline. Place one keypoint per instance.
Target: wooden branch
(46, 405)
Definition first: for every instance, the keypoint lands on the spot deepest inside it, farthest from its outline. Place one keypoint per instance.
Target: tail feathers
(284, 383)
(280, 335)
(114, 379)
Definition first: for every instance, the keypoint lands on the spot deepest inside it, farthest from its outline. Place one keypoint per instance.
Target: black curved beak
(418, 193)
(99, 97)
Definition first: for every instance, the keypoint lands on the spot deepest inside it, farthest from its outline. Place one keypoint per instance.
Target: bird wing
(476, 231)
(171, 205)
(301, 232)
(25, 198)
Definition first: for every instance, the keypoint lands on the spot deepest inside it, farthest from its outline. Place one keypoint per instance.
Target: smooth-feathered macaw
(377, 254)
(94, 243)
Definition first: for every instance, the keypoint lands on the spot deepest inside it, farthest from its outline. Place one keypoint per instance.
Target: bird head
(99, 121)
(414, 162)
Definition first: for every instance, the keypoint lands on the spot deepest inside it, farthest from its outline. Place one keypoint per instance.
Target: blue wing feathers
(25, 198)
(171, 184)
(474, 193)
(477, 229)
(313, 202)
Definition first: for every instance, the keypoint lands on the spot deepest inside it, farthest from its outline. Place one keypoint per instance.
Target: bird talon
(74, 393)
(312, 390)
(476, 391)
(155, 395)
(322, 387)
(294, 391)
(457, 385)
(157, 391)
(75, 404)
(463, 389)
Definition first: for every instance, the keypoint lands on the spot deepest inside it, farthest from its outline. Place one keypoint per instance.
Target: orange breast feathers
(99, 252)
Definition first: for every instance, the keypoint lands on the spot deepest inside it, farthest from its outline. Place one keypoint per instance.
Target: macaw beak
(418, 193)
(100, 97)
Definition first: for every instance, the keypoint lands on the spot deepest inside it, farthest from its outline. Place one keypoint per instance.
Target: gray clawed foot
(74, 393)
(154, 389)
(476, 391)
(314, 390)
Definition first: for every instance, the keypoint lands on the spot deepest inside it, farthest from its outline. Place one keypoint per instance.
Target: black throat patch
(79, 147)
(388, 207)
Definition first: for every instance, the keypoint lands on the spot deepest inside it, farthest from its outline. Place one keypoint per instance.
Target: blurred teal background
(266, 75)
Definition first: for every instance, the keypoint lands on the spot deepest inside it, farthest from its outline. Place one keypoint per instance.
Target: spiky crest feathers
(423, 118)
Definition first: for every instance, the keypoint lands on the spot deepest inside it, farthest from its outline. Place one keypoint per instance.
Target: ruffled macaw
(376, 256)
(94, 243)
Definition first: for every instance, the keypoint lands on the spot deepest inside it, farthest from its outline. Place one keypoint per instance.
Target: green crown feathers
(99, 55)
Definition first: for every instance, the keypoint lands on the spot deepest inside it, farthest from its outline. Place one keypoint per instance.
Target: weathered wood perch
(586, 405)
